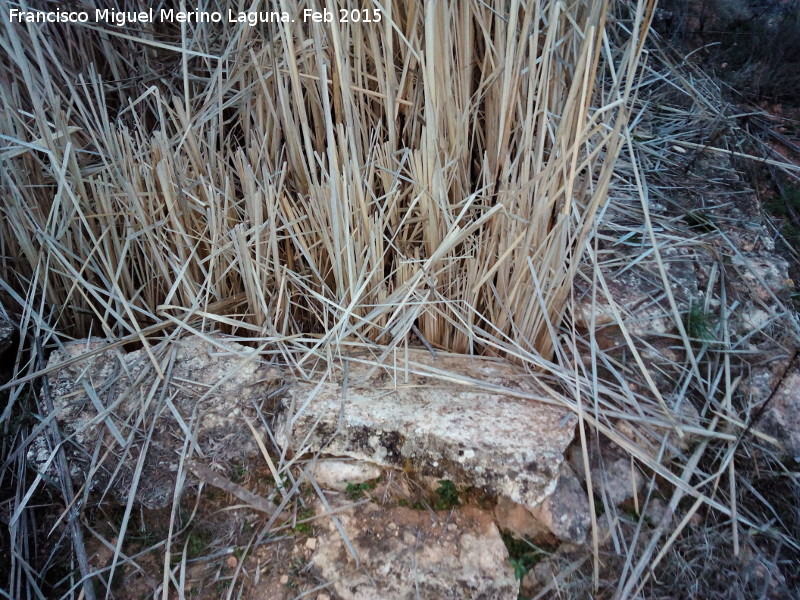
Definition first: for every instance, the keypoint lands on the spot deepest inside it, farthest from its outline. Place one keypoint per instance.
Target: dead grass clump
(434, 177)
(438, 171)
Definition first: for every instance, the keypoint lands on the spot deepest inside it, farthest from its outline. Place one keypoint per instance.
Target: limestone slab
(112, 407)
(475, 421)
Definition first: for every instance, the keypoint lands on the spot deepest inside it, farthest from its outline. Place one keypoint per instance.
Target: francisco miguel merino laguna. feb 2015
(122, 18)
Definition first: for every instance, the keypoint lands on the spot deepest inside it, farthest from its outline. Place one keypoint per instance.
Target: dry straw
(431, 178)
(435, 175)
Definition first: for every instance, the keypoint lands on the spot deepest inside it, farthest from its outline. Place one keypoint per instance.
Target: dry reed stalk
(348, 181)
